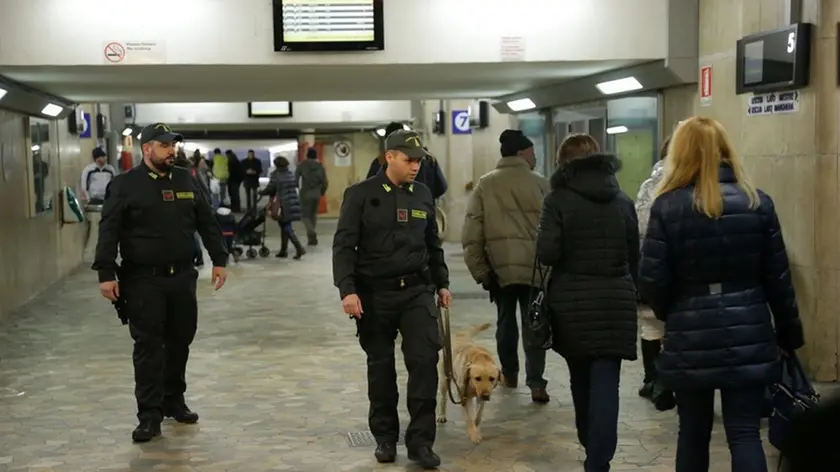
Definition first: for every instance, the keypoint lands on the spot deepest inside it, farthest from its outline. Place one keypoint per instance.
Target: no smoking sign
(114, 52)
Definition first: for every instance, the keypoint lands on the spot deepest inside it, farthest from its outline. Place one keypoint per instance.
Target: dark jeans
(251, 197)
(235, 200)
(741, 421)
(594, 385)
(288, 235)
(507, 336)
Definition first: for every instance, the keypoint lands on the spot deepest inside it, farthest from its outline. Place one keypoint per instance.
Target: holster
(119, 306)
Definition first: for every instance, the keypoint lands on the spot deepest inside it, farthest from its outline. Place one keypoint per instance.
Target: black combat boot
(386, 452)
(146, 430)
(424, 456)
(180, 413)
(312, 240)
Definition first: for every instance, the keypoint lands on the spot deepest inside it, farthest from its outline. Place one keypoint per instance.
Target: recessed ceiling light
(626, 84)
(617, 129)
(521, 104)
(52, 110)
(2, 93)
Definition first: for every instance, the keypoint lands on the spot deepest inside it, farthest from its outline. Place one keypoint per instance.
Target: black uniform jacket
(152, 219)
(386, 231)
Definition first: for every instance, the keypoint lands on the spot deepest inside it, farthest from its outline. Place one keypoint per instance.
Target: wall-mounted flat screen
(328, 25)
(269, 109)
(775, 60)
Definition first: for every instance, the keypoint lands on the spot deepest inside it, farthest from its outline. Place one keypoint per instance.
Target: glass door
(633, 135)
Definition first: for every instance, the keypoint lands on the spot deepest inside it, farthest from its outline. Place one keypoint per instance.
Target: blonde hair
(697, 149)
(576, 146)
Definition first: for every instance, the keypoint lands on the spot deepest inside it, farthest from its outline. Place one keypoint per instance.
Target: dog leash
(443, 322)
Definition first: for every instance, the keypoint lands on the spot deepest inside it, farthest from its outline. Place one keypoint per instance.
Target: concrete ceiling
(227, 83)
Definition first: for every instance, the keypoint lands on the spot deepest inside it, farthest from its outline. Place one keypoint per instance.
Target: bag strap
(798, 378)
(537, 290)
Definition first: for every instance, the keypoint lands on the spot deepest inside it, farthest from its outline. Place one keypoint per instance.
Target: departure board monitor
(328, 25)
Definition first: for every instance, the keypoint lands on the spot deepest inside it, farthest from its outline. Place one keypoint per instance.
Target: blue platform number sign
(86, 126)
(461, 122)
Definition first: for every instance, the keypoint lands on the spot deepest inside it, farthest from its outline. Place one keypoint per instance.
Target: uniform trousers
(162, 316)
(413, 313)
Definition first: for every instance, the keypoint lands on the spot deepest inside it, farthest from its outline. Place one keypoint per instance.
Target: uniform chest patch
(419, 214)
(168, 195)
(184, 195)
(402, 215)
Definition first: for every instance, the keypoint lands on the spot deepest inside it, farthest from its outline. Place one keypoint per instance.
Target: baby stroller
(250, 231)
(227, 223)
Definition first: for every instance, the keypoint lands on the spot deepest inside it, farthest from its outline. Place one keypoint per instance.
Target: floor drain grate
(366, 439)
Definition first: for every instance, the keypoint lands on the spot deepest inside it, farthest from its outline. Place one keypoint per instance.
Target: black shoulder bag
(536, 333)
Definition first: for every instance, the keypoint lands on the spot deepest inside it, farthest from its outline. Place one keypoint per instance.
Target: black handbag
(536, 333)
(791, 397)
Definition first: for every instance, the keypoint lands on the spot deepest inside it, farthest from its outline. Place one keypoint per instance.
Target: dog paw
(441, 419)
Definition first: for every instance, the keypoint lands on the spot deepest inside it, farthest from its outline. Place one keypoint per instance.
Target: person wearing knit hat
(313, 185)
(498, 240)
(514, 142)
(430, 173)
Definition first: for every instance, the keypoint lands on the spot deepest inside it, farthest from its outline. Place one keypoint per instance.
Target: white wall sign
(773, 103)
(512, 48)
(133, 52)
(343, 152)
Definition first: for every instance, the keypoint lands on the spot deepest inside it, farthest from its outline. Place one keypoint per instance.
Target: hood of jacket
(592, 177)
(657, 172)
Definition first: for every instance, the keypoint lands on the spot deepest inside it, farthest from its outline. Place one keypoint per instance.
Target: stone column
(459, 172)
(793, 157)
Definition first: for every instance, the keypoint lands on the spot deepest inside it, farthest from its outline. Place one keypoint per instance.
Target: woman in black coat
(282, 184)
(589, 236)
(715, 269)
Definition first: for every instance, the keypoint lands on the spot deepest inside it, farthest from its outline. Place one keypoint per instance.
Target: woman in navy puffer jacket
(714, 268)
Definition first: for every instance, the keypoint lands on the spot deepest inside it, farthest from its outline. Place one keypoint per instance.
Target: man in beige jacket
(499, 242)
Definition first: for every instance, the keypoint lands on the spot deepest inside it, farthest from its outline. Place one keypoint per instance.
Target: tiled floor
(278, 379)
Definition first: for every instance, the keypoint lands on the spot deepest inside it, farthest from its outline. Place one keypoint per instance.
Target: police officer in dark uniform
(387, 264)
(151, 212)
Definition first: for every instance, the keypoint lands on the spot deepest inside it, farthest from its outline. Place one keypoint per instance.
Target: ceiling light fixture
(617, 130)
(612, 87)
(381, 132)
(52, 110)
(3, 93)
(36, 148)
(521, 104)
(127, 132)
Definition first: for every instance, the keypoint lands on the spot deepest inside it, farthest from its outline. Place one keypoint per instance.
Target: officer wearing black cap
(151, 212)
(387, 264)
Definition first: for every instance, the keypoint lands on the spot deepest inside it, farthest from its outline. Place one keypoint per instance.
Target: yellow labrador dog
(476, 374)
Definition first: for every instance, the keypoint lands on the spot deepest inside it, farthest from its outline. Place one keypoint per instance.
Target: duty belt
(168, 270)
(393, 283)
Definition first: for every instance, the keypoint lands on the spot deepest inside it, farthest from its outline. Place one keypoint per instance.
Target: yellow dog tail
(479, 328)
